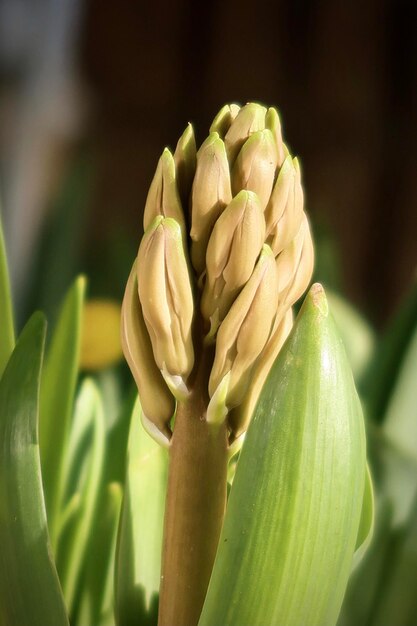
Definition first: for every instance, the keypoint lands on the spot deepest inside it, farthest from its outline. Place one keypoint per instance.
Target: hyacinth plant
(226, 252)
(93, 535)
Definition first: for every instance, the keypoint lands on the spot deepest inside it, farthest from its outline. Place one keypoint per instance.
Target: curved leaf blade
(7, 339)
(72, 551)
(30, 594)
(285, 552)
(139, 546)
(57, 398)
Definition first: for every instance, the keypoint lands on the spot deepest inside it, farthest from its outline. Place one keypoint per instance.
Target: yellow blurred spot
(100, 338)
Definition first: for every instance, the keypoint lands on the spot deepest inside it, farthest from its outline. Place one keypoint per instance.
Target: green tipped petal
(157, 402)
(249, 120)
(163, 197)
(232, 251)
(224, 119)
(285, 209)
(291, 527)
(166, 297)
(256, 165)
(273, 123)
(241, 415)
(245, 330)
(211, 192)
(185, 159)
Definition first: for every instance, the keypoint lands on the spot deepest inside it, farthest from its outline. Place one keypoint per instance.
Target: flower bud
(249, 120)
(224, 119)
(304, 269)
(272, 122)
(185, 163)
(240, 416)
(232, 251)
(256, 165)
(285, 208)
(157, 402)
(245, 330)
(211, 192)
(167, 301)
(163, 198)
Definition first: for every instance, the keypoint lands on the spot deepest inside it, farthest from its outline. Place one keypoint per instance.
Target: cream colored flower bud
(224, 119)
(249, 120)
(273, 123)
(284, 212)
(157, 402)
(239, 418)
(305, 266)
(256, 165)
(163, 198)
(232, 251)
(244, 332)
(185, 157)
(211, 193)
(167, 301)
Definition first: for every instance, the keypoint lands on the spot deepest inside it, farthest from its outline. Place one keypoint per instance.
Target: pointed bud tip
(318, 298)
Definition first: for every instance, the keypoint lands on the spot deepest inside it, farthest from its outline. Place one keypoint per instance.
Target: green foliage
(286, 549)
(58, 384)
(29, 588)
(6, 312)
(139, 548)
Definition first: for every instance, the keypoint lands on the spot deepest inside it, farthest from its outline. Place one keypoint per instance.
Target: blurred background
(91, 92)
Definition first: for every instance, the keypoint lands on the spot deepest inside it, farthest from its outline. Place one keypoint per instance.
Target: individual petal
(211, 193)
(239, 418)
(224, 119)
(167, 301)
(245, 329)
(256, 166)
(273, 123)
(163, 197)
(249, 120)
(157, 402)
(290, 213)
(185, 158)
(232, 251)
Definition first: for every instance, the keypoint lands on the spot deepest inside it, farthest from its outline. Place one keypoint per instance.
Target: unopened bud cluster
(226, 248)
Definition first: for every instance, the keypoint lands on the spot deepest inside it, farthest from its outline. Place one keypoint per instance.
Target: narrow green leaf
(30, 594)
(72, 550)
(400, 422)
(57, 398)
(97, 596)
(7, 339)
(285, 552)
(364, 584)
(138, 559)
(382, 374)
(366, 524)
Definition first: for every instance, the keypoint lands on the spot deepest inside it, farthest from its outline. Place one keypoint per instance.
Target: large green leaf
(139, 549)
(30, 594)
(85, 454)
(286, 549)
(57, 399)
(6, 310)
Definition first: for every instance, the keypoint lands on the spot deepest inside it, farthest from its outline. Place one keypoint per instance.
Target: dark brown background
(343, 75)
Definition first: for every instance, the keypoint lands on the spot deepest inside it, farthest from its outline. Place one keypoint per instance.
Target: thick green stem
(195, 506)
